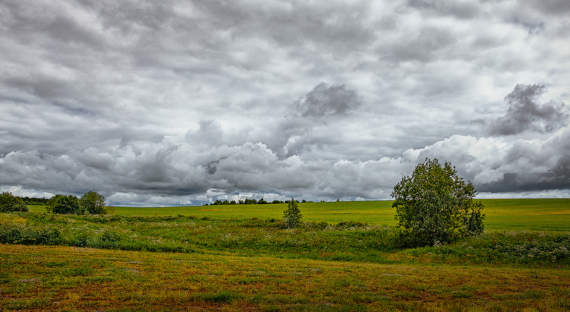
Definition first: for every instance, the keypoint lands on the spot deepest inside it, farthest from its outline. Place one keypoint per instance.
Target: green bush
(20, 234)
(292, 215)
(434, 205)
(93, 203)
(79, 239)
(9, 202)
(110, 237)
(64, 204)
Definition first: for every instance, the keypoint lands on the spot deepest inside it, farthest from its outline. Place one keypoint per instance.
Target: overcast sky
(176, 102)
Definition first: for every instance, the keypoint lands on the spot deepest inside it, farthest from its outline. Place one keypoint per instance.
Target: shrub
(292, 215)
(110, 237)
(79, 239)
(64, 204)
(21, 234)
(93, 203)
(9, 202)
(435, 205)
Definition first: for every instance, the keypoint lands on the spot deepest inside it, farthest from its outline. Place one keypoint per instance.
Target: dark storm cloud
(535, 168)
(556, 178)
(525, 113)
(169, 102)
(326, 100)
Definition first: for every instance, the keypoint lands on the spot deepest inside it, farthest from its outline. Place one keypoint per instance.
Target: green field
(241, 257)
(502, 214)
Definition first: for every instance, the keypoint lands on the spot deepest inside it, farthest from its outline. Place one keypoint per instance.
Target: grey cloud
(525, 113)
(553, 174)
(560, 173)
(305, 120)
(556, 178)
(59, 93)
(65, 27)
(537, 15)
(327, 100)
(422, 45)
(212, 166)
(209, 133)
(498, 165)
(459, 9)
(336, 28)
(556, 7)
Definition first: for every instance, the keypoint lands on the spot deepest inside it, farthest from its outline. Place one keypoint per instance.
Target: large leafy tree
(9, 202)
(93, 203)
(435, 205)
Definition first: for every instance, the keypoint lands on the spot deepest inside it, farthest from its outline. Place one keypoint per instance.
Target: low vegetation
(347, 241)
(9, 202)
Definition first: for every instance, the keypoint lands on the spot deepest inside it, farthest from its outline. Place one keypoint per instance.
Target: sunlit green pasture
(502, 214)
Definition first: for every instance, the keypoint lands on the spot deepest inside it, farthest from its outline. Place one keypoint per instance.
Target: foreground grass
(239, 257)
(502, 214)
(346, 241)
(67, 278)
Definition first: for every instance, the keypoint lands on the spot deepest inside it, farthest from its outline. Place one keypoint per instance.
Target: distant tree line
(34, 200)
(251, 201)
(89, 203)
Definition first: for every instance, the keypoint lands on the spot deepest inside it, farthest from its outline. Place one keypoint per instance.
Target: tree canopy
(63, 204)
(435, 205)
(93, 203)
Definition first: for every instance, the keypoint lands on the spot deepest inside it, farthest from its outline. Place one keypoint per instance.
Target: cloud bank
(167, 103)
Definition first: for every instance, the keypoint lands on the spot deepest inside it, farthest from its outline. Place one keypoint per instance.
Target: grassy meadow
(67, 278)
(241, 257)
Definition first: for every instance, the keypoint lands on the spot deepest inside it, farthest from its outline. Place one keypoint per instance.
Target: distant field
(502, 214)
